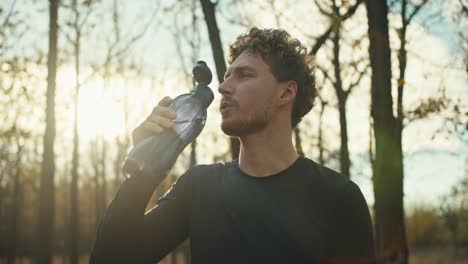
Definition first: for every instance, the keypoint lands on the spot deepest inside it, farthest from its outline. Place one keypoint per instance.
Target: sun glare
(99, 109)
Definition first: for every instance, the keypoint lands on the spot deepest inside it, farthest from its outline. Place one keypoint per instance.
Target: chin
(239, 128)
(230, 129)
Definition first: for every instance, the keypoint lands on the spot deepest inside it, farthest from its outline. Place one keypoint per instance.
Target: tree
(116, 63)
(46, 208)
(342, 92)
(391, 244)
(187, 35)
(77, 26)
(218, 55)
(454, 210)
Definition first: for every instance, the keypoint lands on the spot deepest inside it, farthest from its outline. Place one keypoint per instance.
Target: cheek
(255, 91)
(250, 95)
(255, 102)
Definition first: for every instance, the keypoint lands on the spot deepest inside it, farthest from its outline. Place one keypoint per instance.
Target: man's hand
(160, 118)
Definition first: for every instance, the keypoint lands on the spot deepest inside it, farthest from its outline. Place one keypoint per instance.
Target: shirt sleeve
(127, 234)
(354, 239)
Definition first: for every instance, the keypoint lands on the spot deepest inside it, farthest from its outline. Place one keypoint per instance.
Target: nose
(224, 87)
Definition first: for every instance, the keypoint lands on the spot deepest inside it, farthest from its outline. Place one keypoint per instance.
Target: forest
(77, 76)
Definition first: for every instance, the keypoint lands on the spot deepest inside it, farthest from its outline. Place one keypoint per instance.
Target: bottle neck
(203, 93)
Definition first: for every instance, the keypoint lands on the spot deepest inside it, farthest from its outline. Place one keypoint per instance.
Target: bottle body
(157, 154)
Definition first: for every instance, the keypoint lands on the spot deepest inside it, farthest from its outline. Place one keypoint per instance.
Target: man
(268, 206)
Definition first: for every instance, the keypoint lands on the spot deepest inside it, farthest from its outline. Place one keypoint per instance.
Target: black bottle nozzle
(202, 73)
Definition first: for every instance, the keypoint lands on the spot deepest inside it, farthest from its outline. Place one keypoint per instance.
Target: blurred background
(78, 75)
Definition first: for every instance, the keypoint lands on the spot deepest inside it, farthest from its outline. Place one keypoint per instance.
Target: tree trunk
(74, 214)
(218, 55)
(95, 164)
(15, 216)
(46, 208)
(320, 134)
(391, 242)
(345, 162)
(102, 175)
(74, 222)
(297, 138)
(122, 144)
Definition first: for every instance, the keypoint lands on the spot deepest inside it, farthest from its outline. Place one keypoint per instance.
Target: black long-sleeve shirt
(305, 214)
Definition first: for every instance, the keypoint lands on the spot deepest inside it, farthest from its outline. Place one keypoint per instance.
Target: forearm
(121, 227)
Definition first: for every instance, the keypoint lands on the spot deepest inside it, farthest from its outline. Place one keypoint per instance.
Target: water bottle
(155, 155)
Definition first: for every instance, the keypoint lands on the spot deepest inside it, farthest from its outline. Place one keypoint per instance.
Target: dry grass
(438, 256)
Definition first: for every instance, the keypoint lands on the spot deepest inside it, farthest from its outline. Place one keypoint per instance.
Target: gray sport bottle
(155, 155)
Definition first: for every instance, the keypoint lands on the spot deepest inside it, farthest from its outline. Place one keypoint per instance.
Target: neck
(268, 151)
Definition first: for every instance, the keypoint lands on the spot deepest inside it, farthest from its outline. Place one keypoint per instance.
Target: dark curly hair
(288, 61)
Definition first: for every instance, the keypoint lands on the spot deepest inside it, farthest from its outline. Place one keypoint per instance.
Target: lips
(225, 106)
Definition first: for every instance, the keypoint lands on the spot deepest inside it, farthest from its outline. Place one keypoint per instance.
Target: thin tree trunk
(97, 201)
(320, 134)
(391, 241)
(297, 138)
(102, 175)
(402, 60)
(122, 145)
(15, 216)
(46, 208)
(345, 162)
(74, 215)
(95, 163)
(74, 222)
(218, 55)
(342, 95)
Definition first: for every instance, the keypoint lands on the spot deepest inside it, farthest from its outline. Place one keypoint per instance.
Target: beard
(237, 125)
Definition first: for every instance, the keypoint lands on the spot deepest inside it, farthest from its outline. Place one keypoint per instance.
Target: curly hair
(288, 61)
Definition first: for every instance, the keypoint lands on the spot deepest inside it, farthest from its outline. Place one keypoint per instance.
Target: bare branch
(67, 36)
(392, 3)
(85, 19)
(415, 11)
(464, 7)
(10, 11)
(354, 84)
(351, 10)
(139, 35)
(115, 20)
(325, 74)
(322, 10)
(177, 36)
(321, 40)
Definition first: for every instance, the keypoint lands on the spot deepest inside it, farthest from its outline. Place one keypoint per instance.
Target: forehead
(249, 59)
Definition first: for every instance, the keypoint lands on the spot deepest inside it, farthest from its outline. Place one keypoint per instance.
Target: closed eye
(245, 74)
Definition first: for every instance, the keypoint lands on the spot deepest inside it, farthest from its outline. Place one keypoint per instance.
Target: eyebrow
(239, 69)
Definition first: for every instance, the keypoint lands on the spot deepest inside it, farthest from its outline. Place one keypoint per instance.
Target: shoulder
(204, 169)
(206, 172)
(324, 176)
(330, 183)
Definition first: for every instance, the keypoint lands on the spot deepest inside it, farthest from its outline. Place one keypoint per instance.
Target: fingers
(152, 127)
(160, 118)
(166, 101)
(164, 112)
(162, 121)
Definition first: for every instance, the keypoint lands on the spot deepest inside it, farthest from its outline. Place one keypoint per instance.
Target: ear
(288, 93)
